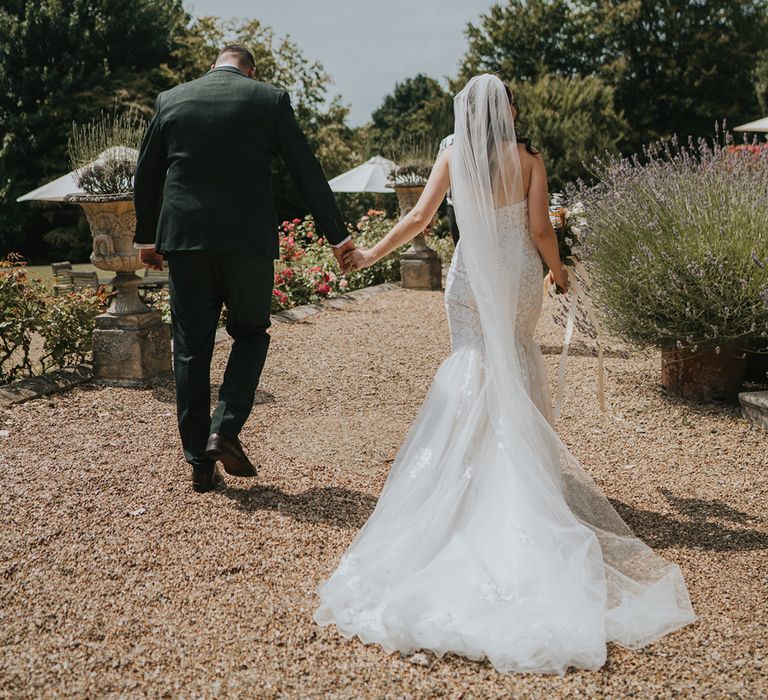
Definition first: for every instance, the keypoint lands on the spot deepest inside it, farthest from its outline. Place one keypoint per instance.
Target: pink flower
(343, 284)
(287, 273)
(296, 221)
(323, 289)
(315, 269)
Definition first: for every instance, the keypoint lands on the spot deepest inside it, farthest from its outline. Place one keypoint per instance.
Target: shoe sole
(232, 465)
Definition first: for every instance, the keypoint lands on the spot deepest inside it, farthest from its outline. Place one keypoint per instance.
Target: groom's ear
(213, 65)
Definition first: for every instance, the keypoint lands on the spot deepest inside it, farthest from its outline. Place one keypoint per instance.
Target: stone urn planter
(420, 266)
(703, 375)
(131, 344)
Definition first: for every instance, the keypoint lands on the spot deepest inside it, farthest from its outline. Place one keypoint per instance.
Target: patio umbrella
(759, 125)
(58, 189)
(371, 176)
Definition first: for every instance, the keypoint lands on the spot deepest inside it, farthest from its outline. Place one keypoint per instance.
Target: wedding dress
(489, 539)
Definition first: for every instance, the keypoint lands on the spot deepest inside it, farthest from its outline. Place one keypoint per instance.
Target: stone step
(754, 406)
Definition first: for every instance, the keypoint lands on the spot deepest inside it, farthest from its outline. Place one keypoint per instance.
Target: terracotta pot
(703, 375)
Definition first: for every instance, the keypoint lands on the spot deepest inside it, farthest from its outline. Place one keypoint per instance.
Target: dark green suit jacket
(204, 177)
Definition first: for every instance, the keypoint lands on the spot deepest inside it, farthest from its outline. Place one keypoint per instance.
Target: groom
(203, 197)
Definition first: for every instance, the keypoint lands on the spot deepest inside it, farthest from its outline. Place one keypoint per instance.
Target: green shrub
(307, 270)
(68, 329)
(677, 244)
(40, 332)
(104, 152)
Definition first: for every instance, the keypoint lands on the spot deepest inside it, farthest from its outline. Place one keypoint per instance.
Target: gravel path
(117, 581)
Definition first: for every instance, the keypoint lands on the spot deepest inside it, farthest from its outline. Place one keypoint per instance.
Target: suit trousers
(200, 283)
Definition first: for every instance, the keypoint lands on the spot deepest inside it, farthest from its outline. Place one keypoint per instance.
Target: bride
(489, 539)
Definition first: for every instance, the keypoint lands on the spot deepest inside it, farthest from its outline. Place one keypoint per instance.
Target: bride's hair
(519, 122)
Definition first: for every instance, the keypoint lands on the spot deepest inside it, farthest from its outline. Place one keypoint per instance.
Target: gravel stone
(212, 595)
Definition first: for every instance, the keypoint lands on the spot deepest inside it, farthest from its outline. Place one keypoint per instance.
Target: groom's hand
(151, 258)
(339, 253)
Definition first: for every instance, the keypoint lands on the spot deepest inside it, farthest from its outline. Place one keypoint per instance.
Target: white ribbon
(580, 297)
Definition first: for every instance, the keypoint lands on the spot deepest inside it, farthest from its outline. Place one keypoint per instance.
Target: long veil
(489, 539)
(645, 595)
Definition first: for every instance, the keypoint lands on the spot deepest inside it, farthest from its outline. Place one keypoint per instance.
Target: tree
(417, 110)
(760, 76)
(677, 66)
(62, 60)
(67, 60)
(526, 39)
(570, 120)
(680, 66)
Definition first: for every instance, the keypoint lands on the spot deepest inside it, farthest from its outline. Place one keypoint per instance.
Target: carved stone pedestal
(131, 350)
(131, 344)
(754, 407)
(420, 267)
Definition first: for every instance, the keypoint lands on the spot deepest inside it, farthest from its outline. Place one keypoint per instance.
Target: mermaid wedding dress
(489, 540)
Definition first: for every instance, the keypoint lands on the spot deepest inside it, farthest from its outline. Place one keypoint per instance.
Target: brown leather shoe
(230, 452)
(204, 478)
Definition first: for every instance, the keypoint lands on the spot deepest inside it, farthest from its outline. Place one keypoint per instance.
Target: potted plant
(131, 343)
(671, 240)
(420, 266)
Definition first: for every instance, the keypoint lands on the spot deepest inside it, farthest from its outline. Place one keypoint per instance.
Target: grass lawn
(45, 273)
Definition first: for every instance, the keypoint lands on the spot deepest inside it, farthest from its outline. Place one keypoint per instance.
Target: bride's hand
(358, 259)
(559, 277)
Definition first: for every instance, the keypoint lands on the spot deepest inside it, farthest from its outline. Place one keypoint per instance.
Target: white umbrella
(58, 189)
(371, 176)
(54, 191)
(759, 125)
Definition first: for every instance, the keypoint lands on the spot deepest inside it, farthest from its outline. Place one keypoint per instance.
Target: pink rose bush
(307, 272)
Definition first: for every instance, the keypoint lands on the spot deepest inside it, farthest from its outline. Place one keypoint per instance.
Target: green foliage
(677, 245)
(669, 68)
(66, 60)
(104, 152)
(680, 66)
(414, 160)
(760, 76)
(62, 327)
(21, 313)
(418, 109)
(307, 270)
(68, 330)
(570, 120)
(527, 39)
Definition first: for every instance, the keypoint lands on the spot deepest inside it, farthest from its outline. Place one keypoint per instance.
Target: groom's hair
(237, 51)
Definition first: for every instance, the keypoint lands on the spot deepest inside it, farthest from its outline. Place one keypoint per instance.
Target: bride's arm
(543, 234)
(414, 222)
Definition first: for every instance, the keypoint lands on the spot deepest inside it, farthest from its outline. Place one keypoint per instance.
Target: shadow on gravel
(698, 528)
(334, 506)
(165, 392)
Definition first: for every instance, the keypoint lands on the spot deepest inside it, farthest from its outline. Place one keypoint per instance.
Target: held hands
(151, 258)
(559, 277)
(341, 253)
(358, 259)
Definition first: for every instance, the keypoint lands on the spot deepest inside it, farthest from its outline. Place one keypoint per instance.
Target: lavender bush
(677, 244)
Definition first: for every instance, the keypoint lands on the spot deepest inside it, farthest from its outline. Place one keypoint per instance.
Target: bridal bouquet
(567, 222)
